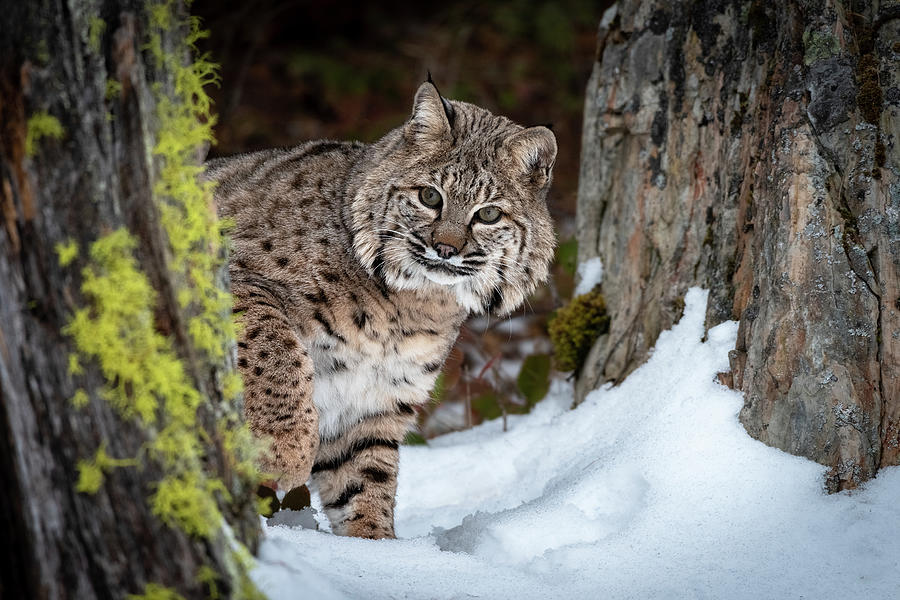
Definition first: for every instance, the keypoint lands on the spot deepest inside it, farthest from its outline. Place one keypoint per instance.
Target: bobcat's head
(456, 197)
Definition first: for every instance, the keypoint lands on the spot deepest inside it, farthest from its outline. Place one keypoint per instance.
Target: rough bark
(751, 148)
(56, 56)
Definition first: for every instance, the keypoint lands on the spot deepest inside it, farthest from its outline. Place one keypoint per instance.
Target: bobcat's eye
(489, 214)
(430, 197)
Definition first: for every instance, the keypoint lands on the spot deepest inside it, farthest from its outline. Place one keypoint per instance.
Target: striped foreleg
(356, 474)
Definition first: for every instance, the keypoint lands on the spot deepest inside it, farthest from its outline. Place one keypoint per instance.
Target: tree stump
(82, 84)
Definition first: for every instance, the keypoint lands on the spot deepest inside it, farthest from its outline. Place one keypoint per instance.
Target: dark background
(297, 70)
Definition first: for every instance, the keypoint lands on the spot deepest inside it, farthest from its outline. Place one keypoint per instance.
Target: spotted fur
(348, 309)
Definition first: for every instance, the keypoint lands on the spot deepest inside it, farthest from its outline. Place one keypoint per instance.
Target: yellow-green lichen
(242, 449)
(80, 398)
(67, 252)
(117, 330)
(187, 502)
(232, 385)
(154, 591)
(113, 89)
(40, 125)
(96, 28)
(75, 367)
(145, 380)
(208, 577)
(91, 472)
(575, 327)
(185, 204)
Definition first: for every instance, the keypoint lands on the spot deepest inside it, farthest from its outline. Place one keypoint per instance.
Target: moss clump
(40, 125)
(575, 327)
(869, 97)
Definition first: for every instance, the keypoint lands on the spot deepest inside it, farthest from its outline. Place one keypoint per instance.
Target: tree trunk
(751, 148)
(82, 84)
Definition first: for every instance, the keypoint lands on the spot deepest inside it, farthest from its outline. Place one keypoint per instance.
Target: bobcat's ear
(431, 116)
(533, 151)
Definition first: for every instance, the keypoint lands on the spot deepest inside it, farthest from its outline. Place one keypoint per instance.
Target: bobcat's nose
(445, 250)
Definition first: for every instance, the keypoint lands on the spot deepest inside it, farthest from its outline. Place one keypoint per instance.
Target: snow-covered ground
(651, 489)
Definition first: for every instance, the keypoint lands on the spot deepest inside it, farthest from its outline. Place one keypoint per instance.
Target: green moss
(67, 252)
(96, 28)
(208, 577)
(117, 330)
(75, 367)
(154, 591)
(91, 473)
(80, 398)
(146, 382)
(113, 89)
(242, 449)
(187, 501)
(575, 327)
(40, 125)
(194, 232)
(819, 45)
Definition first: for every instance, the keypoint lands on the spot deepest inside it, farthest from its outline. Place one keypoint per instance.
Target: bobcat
(354, 266)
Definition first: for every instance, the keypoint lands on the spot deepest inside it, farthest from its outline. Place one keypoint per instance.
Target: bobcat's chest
(374, 374)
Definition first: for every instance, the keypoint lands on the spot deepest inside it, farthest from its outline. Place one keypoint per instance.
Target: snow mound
(651, 489)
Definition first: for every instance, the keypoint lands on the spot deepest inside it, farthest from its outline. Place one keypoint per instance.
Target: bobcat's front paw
(288, 462)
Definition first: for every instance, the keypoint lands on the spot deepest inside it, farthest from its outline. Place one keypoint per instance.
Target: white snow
(590, 273)
(651, 489)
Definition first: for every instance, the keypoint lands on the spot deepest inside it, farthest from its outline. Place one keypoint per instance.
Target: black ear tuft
(448, 108)
(548, 126)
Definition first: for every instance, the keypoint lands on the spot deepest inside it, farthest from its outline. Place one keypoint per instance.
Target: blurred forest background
(301, 70)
